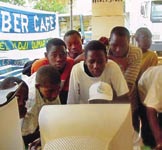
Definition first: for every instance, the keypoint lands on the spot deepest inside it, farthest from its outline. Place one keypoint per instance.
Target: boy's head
(48, 82)
(56, 53)
(95, 57)
(119, 41)
(73, 42)
(100, 92)
(143, 37)
(21, 93)
(104, 40)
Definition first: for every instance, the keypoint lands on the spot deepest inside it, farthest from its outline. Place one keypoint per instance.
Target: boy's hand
(158, 147)
(35, 145)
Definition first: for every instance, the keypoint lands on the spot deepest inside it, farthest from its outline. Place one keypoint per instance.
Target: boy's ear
(45, 54)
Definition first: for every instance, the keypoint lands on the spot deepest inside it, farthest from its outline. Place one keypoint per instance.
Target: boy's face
(49, 91)
(57, 56)
(119, 45)
(144, 42)
(74, 45)
(96, 61)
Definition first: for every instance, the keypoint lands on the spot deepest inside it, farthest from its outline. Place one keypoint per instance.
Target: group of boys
(65, 74)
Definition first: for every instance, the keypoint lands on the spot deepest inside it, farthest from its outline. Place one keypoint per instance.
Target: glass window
(156, 11)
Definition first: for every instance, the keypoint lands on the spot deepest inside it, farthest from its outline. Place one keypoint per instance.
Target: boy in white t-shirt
(96, 68)
(149, 87)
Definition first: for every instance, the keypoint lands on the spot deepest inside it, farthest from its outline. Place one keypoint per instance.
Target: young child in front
(47, 84)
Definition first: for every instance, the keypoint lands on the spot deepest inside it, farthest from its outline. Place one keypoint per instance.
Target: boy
(129, 59)
(95, 68)
(149, 87)
(47, 90)
(143, 37)
(56, 55)
(74, 43)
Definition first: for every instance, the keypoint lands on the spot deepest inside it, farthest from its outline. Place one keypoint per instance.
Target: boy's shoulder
(38, 63)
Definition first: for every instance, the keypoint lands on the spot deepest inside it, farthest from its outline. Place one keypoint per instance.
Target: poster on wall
(25, 29)
(24, 33)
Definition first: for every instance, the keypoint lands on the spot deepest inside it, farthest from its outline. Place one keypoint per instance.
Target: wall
(105, 15)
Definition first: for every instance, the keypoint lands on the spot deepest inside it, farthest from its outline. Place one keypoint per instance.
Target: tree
(51, 5)
(14, 2)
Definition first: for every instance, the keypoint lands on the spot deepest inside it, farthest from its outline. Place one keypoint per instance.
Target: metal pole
(71, 14)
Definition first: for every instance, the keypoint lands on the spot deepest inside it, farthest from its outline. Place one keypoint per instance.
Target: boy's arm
(118, 83)
(133, 70)
(74, 89)
(154, 124)
(30, 122)
(121, 99)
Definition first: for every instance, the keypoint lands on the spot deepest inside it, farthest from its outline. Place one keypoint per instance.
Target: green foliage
(15, 2)
(50, 5)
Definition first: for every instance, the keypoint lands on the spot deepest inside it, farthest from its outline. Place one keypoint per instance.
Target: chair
(108, 124)
(10, 129)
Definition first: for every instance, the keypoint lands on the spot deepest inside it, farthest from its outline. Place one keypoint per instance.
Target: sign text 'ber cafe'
(25, 22)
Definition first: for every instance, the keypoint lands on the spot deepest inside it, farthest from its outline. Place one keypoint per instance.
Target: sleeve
(34, 67)
(150, 60)
(154, 60)
(30, 122)
(149, 87)
(38, 63)
(67, 70)
(66, 74)
(118, 81)
(153, 97)
(74, 88)
(133, 69)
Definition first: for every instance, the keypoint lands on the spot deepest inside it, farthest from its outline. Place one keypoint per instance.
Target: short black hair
(48, 74)
(54, 42)
(71, 32)
(145, 31)
(120, 31)
(95, 45)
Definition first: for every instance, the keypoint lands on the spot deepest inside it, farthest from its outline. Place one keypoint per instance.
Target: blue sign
(18, 21)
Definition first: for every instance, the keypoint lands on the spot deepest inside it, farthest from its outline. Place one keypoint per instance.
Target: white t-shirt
(30, 81)
(149, 87)
(80, 82)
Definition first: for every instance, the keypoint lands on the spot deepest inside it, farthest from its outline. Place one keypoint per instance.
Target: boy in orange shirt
(56, 55)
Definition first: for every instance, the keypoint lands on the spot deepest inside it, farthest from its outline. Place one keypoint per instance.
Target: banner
(25, 29)
(22, 45)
